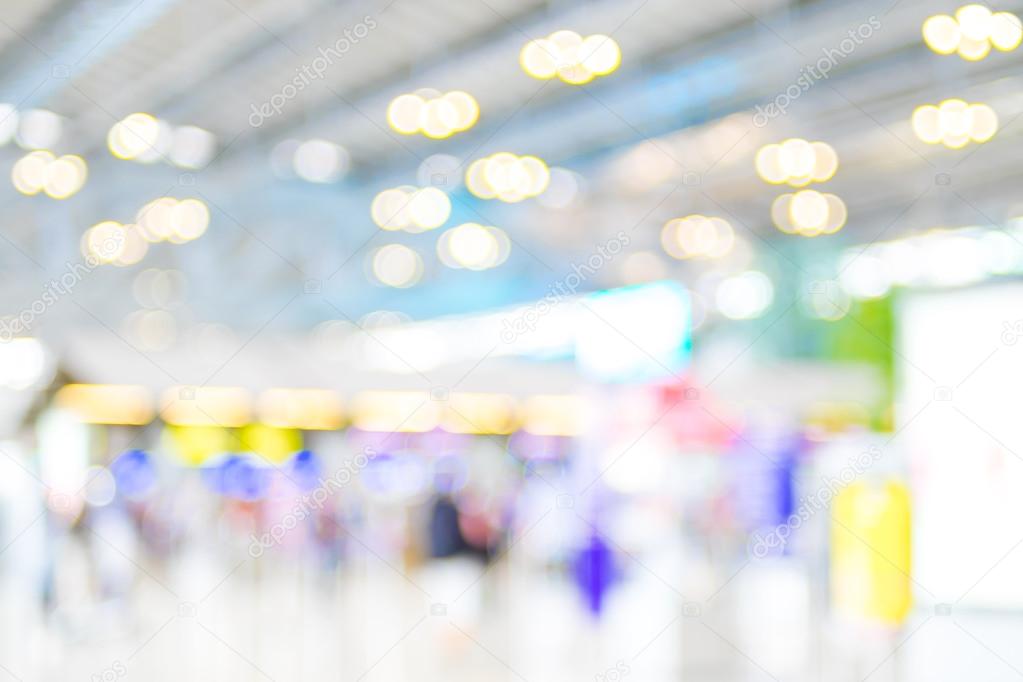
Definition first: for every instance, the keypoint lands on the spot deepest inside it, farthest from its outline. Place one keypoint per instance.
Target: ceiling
(670, 133)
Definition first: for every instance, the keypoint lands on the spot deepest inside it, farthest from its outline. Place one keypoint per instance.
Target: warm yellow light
(809, 213)
(476, 180)
(973, 32)
(825, 162)
(954, 117)
(30, 172)
(575, 73)
(466, 109)
(189, 219)
(471, 246)
(538, 58)
(437, 120)
(480, 413)
(432, 114)
(974, 22)
(390, 208)
(404, 113)
(768, 164)
(600, 54)
(780, 214)
(395, 411)
(135, 247)
(570, 57)
(927, 124)
(308, 409)
(206, 406)
(39, 171)
(973, 50)
(104, 241)
(1006, 31)
(552, 415)
(154, 219)
(697, 236)
(983, 122)
(508, 177)
(955, 123)
(838, 214)
(107, 403)
(173, 220)
(134, 136)
(796, 162)
(797, 158)
(942, 34)
(65, 176)
(809, 210)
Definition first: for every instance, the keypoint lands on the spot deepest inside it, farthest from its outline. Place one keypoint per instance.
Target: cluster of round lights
(473, 247)
(41, 171)
(697, 237)
(433, 114)
(173, 220)
(796, 162)
(570, 57)
(809, 213)
(114, 243)
(396, 265)
(507, 177)
(972, 32)
(144, 138)
(410, 209)
(954, 123)
(164, 219)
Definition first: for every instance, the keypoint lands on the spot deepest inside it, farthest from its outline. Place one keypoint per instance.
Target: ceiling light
(796, 162)
(433, 114)
(972, 32)
(954, 123)
(507, 177)
(570, 57)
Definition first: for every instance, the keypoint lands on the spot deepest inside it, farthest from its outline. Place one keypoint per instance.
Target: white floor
(268, 619)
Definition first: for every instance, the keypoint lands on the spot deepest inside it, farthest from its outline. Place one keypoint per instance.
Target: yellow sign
(870, 552)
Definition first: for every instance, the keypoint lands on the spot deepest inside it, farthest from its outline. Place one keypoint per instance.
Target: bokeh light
(507, 177)
(396, 265)
(473, 246)
(410, 209)
(570, 57)
(796, 162)
(809, 213)
(173, 220)
(954, 123)
(433, 114)
(697, 237)
(972, 32)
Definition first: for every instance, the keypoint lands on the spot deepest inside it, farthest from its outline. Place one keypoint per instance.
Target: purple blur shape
(593, 570)
(134, 473)
(305, 469)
